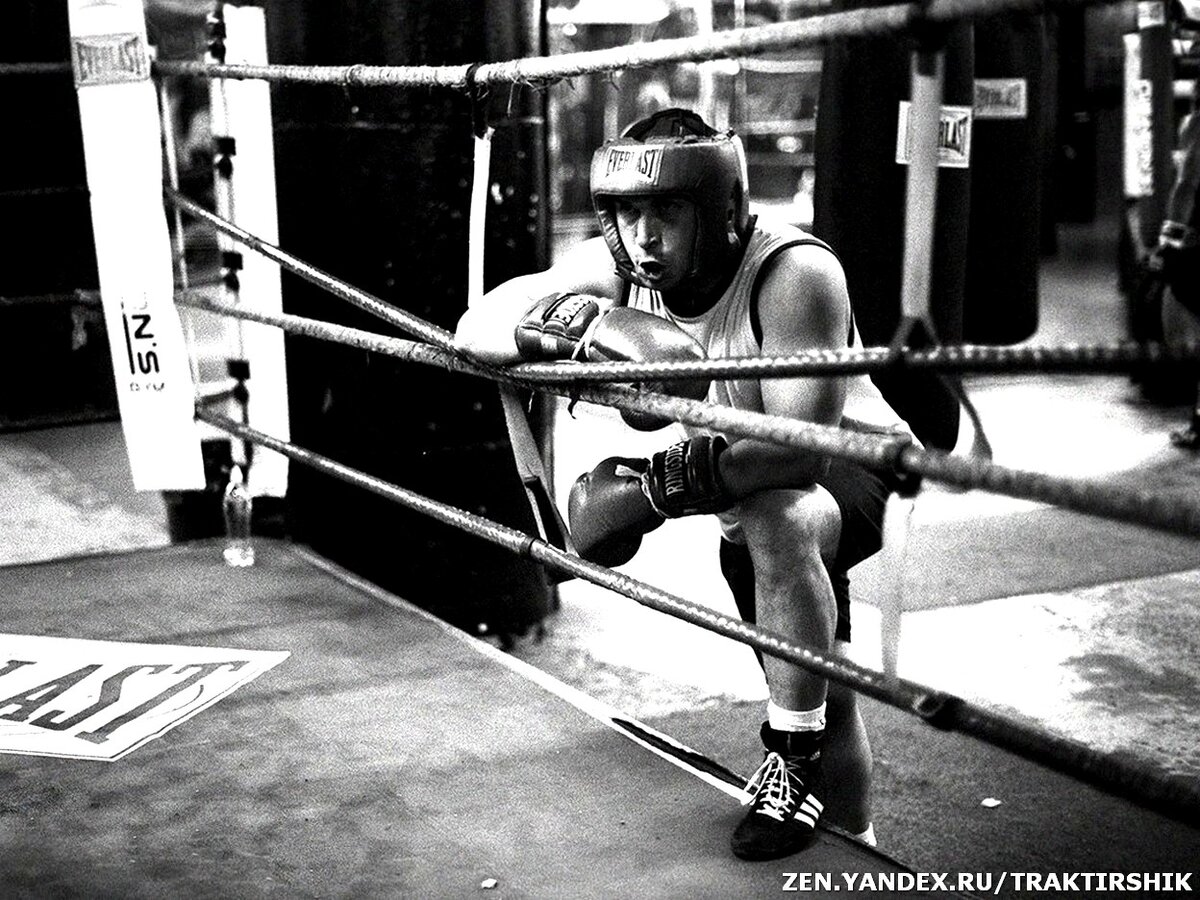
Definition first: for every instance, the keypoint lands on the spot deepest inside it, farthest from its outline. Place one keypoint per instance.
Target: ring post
(124, 162)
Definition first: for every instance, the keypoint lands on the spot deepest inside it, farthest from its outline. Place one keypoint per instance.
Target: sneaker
(783, 811)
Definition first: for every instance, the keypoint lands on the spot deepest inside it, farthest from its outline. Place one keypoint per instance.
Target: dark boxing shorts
(861, 495)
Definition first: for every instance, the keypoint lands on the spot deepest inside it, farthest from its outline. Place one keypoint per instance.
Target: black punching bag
(1007, 158)
(54, 357)
(859, 202)
(374, 187)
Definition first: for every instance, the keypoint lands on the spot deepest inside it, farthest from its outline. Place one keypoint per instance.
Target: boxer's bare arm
(802, 305)
(485, 330)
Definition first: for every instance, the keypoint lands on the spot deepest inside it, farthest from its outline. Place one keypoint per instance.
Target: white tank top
(725, 330)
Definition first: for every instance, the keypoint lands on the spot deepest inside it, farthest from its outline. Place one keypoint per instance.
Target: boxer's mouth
(652, 269)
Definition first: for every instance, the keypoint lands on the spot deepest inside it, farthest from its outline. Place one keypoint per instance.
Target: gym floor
(1085, 627)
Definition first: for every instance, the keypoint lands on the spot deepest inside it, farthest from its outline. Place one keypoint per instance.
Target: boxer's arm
(802, 305)
(485, 330)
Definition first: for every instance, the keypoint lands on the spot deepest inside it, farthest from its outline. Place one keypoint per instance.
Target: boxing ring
(342, 769)
(348, 769)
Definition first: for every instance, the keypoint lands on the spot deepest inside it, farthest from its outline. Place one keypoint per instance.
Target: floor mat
(50, 512)
(1039, 550)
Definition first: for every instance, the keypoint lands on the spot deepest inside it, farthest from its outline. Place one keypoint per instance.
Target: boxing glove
(631, 335)
(685, 479)
(608, 511)
(556, 327)
(571, 326)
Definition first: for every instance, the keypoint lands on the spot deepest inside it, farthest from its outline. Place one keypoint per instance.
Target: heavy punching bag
(859, 203)
(1007, 158)
(53, 342)
(374, 187)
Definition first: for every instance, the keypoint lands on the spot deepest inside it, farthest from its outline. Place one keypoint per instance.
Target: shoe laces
(770, 788)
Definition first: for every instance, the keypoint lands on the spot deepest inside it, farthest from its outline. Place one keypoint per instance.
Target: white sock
(795, 719)
(868, 836)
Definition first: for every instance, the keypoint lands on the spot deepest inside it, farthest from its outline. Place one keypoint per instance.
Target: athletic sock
(795, 719)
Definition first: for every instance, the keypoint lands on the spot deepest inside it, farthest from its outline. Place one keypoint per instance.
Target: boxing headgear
(675, 153)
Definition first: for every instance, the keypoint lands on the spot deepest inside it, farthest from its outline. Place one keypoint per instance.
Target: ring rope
(1078, 358)
(79, 297)
(57, 190)
(35, 68)
(1110, 357)
(1166, 512)
(406, 321)
(718, 45)
(1066, 359)
(1082, 358)
(1134, 781)
(1177, 514)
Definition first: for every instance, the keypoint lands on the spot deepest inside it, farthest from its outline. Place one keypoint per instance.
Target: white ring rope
(732, 43)
(1167, 512)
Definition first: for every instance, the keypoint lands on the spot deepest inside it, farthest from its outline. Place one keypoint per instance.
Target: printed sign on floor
(103, 699)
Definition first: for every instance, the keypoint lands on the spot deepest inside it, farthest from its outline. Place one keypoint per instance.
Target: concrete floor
(1112, 658)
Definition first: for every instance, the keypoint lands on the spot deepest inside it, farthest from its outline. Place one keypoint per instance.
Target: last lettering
(32, 705)
(644, 162)
(953, 134)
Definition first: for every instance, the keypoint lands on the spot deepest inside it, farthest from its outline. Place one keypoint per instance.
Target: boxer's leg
(789, 535)
(847, 763)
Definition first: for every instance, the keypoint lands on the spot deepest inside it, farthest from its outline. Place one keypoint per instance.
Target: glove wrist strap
(685, 479)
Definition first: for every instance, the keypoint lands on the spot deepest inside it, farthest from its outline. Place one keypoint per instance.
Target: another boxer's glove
(685, 480)
(609, 512)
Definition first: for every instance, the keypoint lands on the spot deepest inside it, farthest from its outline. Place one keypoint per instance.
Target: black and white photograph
(624, 449)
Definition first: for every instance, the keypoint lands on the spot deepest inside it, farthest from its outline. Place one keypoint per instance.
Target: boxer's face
(659, 234)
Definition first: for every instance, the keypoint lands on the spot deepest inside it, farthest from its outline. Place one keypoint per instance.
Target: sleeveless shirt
(726, 330)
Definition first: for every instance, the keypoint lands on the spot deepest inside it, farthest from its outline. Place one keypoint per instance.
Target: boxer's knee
(787, 528)
(790, 535)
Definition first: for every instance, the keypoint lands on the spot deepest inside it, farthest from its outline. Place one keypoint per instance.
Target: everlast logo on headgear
(109, 59)
(644, 162)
